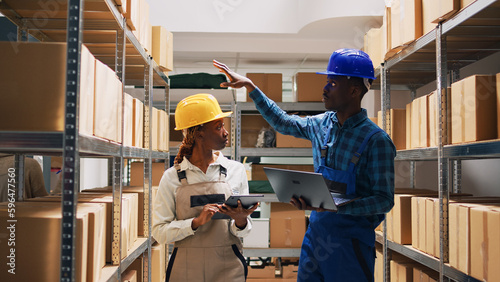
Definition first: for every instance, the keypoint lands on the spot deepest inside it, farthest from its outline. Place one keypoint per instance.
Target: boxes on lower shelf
(137, 173)
(288, 226)
(129, 217)
(37, 249)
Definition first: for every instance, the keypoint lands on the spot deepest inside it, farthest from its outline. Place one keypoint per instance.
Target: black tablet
(247, 201)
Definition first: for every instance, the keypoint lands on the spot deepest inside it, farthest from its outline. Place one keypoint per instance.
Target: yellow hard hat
(197, 109)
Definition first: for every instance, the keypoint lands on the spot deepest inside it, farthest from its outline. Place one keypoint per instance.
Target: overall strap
(357, 154)
(181, 174)
(222, 173)
(324, 148)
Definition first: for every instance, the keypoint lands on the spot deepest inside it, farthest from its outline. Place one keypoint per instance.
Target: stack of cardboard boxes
(101, 94)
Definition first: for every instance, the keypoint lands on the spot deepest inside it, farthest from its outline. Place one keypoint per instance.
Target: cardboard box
(373, 45)
(386, 33)
(261, 273)
(408, 126)
(379, 263)
(397, 127)
(465, 3)
(158, 263)
(162, 48)
(270, 83)
(137, 173)
(424, 274)
(38, 238)
(419, 127)
(128, 120)
(401, 272)
(459, 231)
(163, 144)
(473, 108)
(129, 217)
(485, 243)
(145, 29)
(434, 119)
(406, 21)
(419, 227)
(251, 126)
(259, 236)
(288, 141)
(308, 87)
(133, 14)
(138, 125)
(87, 85)
(154, 129)
(108, 103)
(288, 226)
(45, 65)
(131, 276)
(139, 190)
(259, 174)
(435, 11)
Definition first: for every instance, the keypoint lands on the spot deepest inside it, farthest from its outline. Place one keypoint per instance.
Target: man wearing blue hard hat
(355, 157)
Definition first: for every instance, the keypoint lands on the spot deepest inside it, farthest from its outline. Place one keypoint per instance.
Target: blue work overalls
(339, 247)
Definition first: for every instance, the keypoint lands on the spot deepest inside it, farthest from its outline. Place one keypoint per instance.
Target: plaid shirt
(375, 169)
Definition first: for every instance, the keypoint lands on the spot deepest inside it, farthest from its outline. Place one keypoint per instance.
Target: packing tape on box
(288, 231)
(484, 246)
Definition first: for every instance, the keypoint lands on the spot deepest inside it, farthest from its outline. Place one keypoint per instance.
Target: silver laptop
(309, 185)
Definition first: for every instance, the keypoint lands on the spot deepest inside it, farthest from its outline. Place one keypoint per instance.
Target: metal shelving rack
(470, 35)
(134, 68)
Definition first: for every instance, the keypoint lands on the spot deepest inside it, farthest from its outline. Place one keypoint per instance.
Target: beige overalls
(213, 253)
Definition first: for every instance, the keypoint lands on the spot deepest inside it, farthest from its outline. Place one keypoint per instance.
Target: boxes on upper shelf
(138, 123)
(406, 22)
(137, 173)
(133, 14)
(308, 87)
(162, 48)
(435, 11)
(373, 45)
(397, 127)
(34, 75)
(107, 103)
(434, 116)
(128, 120)
(270, 83)
(473, 109)
(419, 124)
(288, 141)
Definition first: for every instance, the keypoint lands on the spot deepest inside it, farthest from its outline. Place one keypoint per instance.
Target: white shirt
(166, 227)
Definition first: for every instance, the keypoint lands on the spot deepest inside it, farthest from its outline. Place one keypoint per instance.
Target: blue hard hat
(350, 62)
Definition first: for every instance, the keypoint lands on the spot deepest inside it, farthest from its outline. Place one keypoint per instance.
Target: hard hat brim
(219, 116)
(342, 74)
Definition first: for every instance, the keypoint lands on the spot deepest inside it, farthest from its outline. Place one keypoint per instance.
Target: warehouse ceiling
(284, 36)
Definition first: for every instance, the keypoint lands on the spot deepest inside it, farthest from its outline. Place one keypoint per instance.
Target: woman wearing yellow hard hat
(188, 208)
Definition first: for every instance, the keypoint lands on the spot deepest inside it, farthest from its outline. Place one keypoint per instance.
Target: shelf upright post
(19, 176)
(71, 159)
(441, 73)
(148, 141)
(386, 119)
(457, 163)
(117, 182)
(167, 110)
(236, 132)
